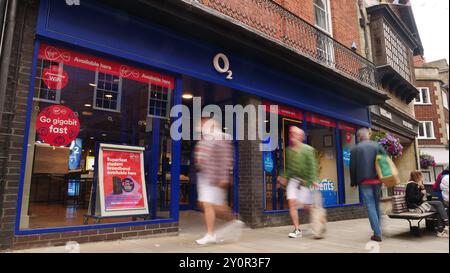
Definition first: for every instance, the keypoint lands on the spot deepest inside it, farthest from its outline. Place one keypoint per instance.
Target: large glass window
(105, 102)
(321, 135)
(274, 162)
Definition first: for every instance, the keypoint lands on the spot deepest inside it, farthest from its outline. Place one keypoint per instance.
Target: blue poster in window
(268, 162)
(75, 154)
(346, 157)
(267, 156)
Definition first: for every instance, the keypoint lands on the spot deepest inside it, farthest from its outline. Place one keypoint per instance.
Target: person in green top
(301, 169)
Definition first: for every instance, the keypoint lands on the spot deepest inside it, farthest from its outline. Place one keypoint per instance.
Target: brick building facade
(431, 109)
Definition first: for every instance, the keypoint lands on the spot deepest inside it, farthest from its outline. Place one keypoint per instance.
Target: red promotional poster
(55, 77)
(348, 137)
(93, 63)
(57, 125)
(122, 180)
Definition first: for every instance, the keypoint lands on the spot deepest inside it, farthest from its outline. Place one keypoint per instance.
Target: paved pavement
(342, 237)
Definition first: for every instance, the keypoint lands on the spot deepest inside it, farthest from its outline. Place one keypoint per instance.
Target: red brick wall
(430, 113)
(345, 22)
(302, 8)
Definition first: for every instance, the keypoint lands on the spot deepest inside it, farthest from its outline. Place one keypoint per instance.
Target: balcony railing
(274, 22)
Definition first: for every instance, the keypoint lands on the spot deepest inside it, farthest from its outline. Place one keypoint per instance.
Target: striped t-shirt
(215, 158)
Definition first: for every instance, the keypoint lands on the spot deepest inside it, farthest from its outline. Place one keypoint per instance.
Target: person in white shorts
(300, 174)
(214, 160)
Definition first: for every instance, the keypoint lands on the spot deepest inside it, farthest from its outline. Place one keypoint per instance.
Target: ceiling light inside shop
(87, 113)
(187, 96)
(103, 135)
(108, 96)
(87, 105)
(93, 85)
(91, 138)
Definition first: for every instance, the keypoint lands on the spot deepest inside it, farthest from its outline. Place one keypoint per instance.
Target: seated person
(416, 202)
(444, 189)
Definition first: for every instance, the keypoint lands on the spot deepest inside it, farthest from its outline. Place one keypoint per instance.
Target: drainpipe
(3, 4)
(5, 57)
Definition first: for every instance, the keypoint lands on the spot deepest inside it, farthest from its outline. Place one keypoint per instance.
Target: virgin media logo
(53, 54)
(126, 71)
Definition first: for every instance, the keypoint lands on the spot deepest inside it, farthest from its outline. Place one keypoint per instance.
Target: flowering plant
(426, 161)
(390, 143)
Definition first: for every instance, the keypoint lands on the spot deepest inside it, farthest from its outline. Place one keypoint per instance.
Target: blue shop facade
(154, 67)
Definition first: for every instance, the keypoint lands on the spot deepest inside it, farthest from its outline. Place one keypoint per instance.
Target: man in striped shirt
(214, 160)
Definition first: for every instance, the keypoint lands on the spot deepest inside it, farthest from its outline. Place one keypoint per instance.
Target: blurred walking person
(364, 175)
(300, 174)
(214, 160)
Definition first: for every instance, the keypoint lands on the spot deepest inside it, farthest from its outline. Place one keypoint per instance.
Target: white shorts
(209, 193)
(302, 195)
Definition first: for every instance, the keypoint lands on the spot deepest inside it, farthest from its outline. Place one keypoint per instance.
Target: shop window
(273, 162)
(348, 141)
(426, 130)
(321, 134)
(424, 96)
(108, 90)
(67, 127)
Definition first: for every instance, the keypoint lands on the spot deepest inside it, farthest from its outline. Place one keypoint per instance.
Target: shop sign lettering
(222, 65)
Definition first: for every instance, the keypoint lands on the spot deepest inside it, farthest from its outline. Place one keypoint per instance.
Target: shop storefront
(99, 107)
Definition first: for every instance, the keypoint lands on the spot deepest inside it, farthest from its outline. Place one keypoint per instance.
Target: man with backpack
(363, 174)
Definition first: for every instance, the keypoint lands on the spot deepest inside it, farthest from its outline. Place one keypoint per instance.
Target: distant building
(431, 108)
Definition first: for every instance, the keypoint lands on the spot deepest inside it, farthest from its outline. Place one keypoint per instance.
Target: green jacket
(301, 164)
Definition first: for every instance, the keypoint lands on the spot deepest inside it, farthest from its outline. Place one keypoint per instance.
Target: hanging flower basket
(390, 143)
(427, 161)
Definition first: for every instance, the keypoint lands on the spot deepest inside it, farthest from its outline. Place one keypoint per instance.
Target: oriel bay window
(82, 101)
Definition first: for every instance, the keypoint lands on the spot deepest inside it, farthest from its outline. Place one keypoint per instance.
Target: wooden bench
(400, 211)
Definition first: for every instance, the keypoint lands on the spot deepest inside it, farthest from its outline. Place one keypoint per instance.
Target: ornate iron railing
(274, 22)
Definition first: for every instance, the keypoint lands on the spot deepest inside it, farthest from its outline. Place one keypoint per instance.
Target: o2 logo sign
(222, 65)
(73, 2)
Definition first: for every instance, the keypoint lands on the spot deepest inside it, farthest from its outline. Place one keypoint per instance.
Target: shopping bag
(318, 216)
(386, 170)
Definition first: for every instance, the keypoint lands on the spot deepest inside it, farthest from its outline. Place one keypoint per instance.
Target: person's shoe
(297, 233)
(375, 238)
(231, 231)
(446, 229)
(207, 239)
(442, 234)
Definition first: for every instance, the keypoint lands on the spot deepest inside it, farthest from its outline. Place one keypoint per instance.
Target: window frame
(328, 17)
(421, 102)
(423, 124)
(444, 99)
(119, 95)
(58, 92)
